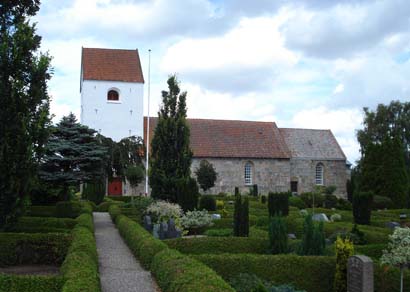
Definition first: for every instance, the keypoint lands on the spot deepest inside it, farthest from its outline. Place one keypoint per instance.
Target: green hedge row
(33, 248)
(172, 270)
(80, 267)
(217, 245)
(67, 209)
(42, 225)
(14, 283)
(313, 273)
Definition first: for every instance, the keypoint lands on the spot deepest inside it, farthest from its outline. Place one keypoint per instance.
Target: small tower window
(248, 173)
(113, 95)
(319, 174)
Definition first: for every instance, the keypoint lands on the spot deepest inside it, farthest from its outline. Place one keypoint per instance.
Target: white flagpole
(147, 136)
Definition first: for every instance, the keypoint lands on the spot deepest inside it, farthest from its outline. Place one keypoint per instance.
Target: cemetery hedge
(33, 248)
(310, 273)
(14, 283)
(42, 225)
(217, 245)
(80, 267)
(172, 270)
(177, 272)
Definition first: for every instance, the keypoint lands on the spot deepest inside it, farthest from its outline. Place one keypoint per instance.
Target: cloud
(345, 29)
(246, 58)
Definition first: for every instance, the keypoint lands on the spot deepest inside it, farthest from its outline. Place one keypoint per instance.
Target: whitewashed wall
(114, 119)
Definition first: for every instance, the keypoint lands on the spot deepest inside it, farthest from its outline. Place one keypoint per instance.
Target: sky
(301, 63)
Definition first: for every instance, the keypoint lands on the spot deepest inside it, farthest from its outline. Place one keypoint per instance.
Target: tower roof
(111, 65)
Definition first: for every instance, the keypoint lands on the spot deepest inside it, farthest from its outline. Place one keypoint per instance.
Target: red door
(115, 187)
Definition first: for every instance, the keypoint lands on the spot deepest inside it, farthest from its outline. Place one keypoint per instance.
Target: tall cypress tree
(170, 156)
(24, 104)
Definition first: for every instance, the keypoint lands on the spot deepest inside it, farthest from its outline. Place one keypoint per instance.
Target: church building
(243, 153)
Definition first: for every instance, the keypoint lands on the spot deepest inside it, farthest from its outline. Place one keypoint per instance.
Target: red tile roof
(232, 139)
(111, 65)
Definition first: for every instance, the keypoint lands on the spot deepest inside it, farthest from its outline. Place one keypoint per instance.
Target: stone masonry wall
(268, 174)
(304, 171)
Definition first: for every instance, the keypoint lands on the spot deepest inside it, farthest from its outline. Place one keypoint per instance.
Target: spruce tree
(24, 104)
(170, 153)
(73, 156)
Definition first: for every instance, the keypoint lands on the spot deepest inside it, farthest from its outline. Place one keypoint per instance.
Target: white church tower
(112, 91)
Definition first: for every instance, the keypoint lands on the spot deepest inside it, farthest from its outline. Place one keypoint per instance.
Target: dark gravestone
(148, 223)
(360, 274)
(172, 232)
(155, 230)
(163, 229)
(392, 225)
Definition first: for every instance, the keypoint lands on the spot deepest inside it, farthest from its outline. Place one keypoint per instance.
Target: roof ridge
(309, 129)
(222, 120)
(107, 49)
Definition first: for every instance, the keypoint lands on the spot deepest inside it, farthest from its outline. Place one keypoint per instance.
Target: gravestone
(360, 274)
(392, 225)
(148, 223)
(172, 232)
(216, 216)
(321, 217)
(163, 229)
(155, 230)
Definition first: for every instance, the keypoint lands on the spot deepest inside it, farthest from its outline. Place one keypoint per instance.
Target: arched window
(319, 174)
(113, 95)
(248, 173)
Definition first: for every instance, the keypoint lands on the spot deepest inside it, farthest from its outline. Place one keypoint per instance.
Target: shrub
(255, 191)
(244, 282)
(207, 202)
(219, 232)
(42, 225)
(297, 202)
(336, 217)
(329, 190)
(278, 204)
(188, 194)
(196, 219)
(217, 245)
(313, 240)
(139, 203)
(308, 198)
(330, 201)
(68, 209)
(263, 199)
(343, 204)
(380, 202)
(312, 273)
(343, 249)
(241, 216)
(278, 236)
(177, 272)
(94, 191)
(163, 211)
(114, 211)
(18, 283)
(36, 248)
(362, 207)
(206, 175)
(220, 205)
(41, 211)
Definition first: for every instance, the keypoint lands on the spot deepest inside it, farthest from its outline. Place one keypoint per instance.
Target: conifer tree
(206, 175)
(73, 156)
(170, 156)
(24, 104)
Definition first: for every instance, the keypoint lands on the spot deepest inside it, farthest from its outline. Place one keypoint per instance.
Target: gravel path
(119, 270)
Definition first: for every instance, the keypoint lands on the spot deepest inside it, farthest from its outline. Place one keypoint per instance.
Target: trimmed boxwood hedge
(172, 270)
(42, 225)
(177, 272)
(217, 245)
(33, 248)
(80, 267)
(41, 211)
(310, 273)
(14, 283)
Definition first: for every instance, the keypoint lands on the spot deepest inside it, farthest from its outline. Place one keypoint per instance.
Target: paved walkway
(119, 270)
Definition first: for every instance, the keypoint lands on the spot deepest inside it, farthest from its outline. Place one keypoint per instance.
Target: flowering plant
(196, 219)
(163, 211)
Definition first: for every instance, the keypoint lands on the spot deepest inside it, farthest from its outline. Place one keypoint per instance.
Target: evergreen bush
(207, 202)
(255, 191)
(330, 201)
(297, 202)
(94, 191)
(241, 216)
(278, 204)
(263, 199)
(236, 191)
(313, 239)
(362, 207)
(188, 194)
(278, 236)
(343, 250)
(381, 202)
